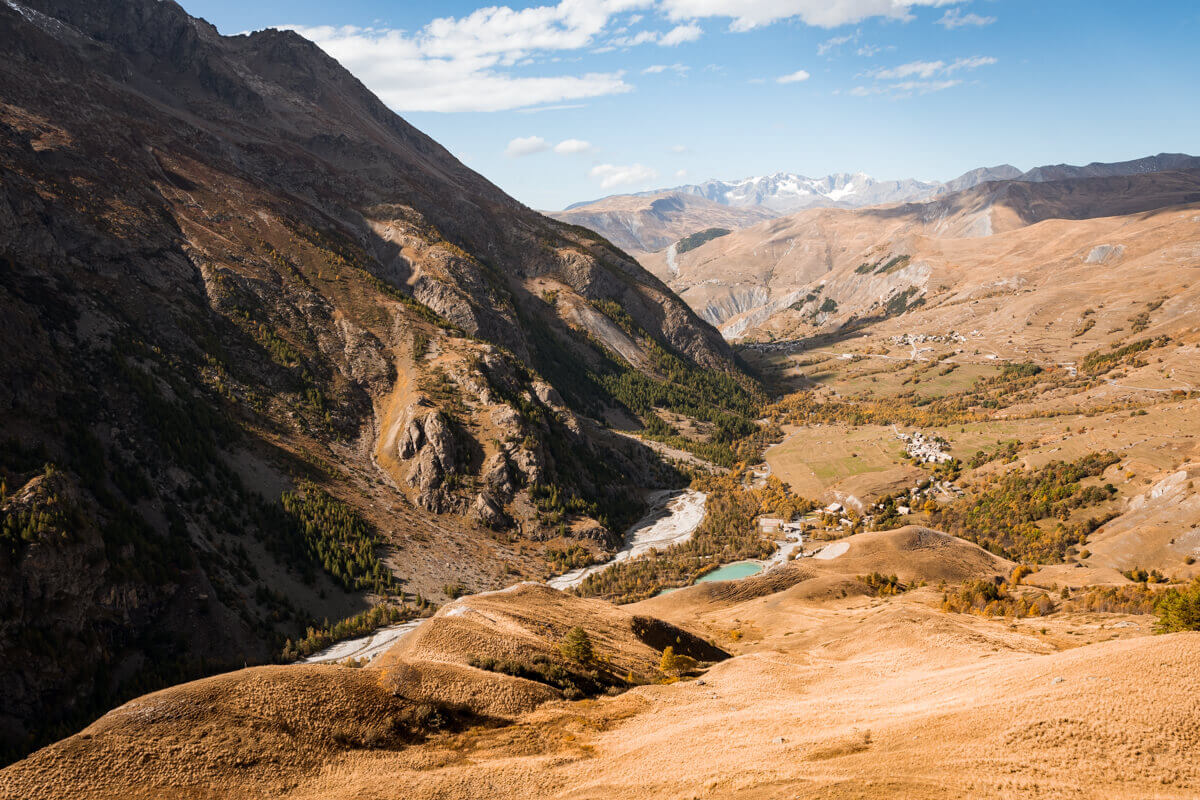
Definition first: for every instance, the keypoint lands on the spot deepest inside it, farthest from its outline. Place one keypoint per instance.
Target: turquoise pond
(731, 572)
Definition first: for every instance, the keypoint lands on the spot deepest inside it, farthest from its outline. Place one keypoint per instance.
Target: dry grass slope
(260, 732)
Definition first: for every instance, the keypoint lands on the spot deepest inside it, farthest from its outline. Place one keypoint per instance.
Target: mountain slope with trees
(272, 355)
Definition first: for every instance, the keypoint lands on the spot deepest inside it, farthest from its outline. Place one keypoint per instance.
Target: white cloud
(681, 173)
(794, 77)
(526, 146)
(611, 175)
(679, 148)
(748, 14)
(924, 69)
(572, 147)
(971, 63)
(655, 69)
(678, 35)
(954, 18)
(923, 87)
(642, 37)
(681, 34)
(927, 69)
(559, 107)
(919, 77)
(570, 25)
(905, 88)
(834, 43)
(464, 63)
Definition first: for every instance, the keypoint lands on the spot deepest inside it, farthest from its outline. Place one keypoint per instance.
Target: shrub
(882, 585)
(577, 645)
(676, 664)
(1179, 609)
(1139, 575)
(991, 600)
(1020, 572)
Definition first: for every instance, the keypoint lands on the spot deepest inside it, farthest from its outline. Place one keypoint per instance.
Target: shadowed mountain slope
(229, 276)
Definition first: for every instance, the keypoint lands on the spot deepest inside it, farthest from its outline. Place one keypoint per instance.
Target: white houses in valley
(926, 449)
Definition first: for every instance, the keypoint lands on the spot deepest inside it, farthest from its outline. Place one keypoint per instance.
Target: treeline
(990, 599)
(46, 515)
(728, 533)
(700, 237)
(338, 539)
(702, 394)
(556, 504)
(594, 386)
(1001, 512)
(317, 639)
(734, 439)
(707, 395)
(1100, 361)
(1136, 599)
(1177, 607)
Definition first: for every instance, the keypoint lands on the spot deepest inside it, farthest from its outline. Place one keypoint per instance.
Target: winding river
(673, 516)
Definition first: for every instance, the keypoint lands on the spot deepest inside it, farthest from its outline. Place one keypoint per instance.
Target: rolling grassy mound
(482, 662)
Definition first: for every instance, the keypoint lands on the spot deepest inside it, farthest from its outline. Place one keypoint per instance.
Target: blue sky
(569, 101)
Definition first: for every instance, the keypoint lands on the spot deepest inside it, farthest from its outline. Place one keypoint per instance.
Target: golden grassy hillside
(830, 694)
(262, 731)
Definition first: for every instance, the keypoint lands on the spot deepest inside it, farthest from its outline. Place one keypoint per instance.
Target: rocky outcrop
(499, 478)
(489, 512)
(429, 444)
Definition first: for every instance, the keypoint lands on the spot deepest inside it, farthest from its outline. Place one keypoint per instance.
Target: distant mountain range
(786, 193)
(989, 240)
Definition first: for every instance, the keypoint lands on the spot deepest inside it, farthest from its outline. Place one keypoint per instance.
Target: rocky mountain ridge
(273, 356)
(818, 271)
(785, 193)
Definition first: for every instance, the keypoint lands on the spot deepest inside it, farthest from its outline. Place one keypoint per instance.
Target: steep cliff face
(229, 276)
